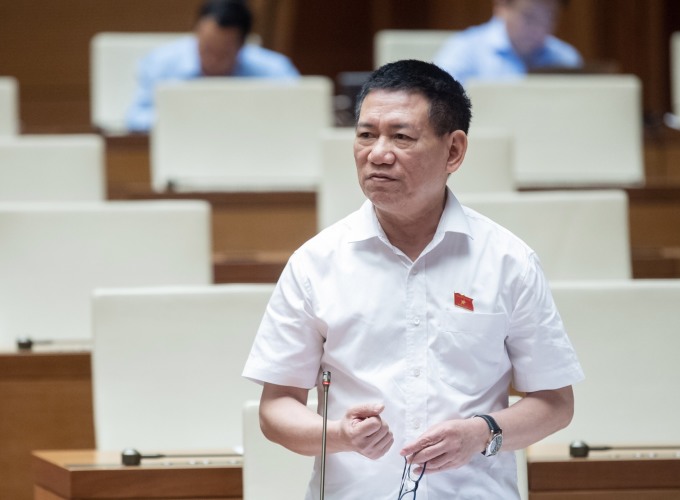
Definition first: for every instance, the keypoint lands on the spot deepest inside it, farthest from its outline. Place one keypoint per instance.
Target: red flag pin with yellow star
(461, 300)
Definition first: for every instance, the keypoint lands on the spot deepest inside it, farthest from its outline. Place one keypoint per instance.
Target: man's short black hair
(450, 107)
(228, 14)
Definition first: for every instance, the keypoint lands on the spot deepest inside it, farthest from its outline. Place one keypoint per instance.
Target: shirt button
(416, 321)
(416, 372)
(416, 424)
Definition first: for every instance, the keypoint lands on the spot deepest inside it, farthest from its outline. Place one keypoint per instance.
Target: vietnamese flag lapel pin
(461, 300)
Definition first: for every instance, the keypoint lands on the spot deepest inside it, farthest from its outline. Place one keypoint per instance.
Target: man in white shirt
(424, 312)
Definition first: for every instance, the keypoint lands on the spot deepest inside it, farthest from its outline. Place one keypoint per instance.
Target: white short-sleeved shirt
(389, 330)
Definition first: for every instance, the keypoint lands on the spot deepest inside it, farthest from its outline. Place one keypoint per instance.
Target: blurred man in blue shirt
(217, 48)
(516, 40)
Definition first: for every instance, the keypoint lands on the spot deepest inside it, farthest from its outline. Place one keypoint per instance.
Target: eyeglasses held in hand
(410, 481)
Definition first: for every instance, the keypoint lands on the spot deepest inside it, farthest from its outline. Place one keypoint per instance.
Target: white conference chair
(339, 193)
(270, 470)
(9, 106)
(488, 165)
(114, 59)
(487, 168)
(167, 362)
(569, 130)
(240, 133)
(675, 72)
(53, 254)
(626, 336)
(52, 168)
(576, 234)
(522, 466)
(393, 45)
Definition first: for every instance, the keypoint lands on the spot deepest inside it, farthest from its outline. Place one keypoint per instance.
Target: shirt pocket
(470, 349)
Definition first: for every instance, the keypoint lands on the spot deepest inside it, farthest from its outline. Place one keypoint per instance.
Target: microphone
(26, 343)
(579, 449)
(130, 456)
(325, 382)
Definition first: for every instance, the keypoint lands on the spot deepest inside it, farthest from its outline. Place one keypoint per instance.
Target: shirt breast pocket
(470, 349)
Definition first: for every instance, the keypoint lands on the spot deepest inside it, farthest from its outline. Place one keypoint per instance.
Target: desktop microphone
(579, 449)
(130, 456)
(325, 382)
(26, 343)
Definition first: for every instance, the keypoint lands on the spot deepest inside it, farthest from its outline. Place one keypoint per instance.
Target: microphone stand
(326, 382)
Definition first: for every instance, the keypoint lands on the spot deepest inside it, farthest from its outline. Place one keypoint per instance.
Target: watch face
(495, 444)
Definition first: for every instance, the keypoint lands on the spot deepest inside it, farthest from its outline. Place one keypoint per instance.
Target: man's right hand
(364, 432)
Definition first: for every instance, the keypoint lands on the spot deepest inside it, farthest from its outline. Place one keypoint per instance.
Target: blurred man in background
(516, 40)
(217, 48)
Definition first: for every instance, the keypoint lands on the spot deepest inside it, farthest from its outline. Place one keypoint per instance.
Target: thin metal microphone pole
(326, 382)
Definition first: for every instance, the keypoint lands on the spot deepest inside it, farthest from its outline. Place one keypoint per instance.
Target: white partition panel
(52, 168)
(393, 45)
(568, 130)
(240, 133)
(167, 365)
(675, 72)
(626, 336)
(576, 234)
(9, 106)
(52, 255)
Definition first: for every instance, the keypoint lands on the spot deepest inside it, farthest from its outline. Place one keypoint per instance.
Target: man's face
(529, 22)
(401, 163)
(217, 47)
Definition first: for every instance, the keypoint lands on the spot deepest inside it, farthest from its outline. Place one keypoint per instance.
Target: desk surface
(91, 474)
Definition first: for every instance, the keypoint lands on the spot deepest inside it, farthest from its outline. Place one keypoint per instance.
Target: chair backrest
(576, 234)
(675, 72)
(488, 165)
(53, 255)
(487, 168)
(393, 45)
(287, 474)
(52, 168)
(9, 106)
(522, 466)
(114, 59)
(626, 336)
(240, 133)
(339, 193)
(167, 362)
(569, 130)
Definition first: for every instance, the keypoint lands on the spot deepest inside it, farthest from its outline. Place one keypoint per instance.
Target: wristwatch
(494, 444)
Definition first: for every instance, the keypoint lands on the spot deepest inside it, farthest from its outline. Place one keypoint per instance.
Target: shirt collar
(365, 224)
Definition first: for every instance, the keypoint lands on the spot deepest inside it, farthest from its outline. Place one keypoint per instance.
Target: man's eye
(401, 137)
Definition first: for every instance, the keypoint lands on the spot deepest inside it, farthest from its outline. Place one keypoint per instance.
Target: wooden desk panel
(92, 475)
(652, 475)
(45, 402)
(128, 167)
(246, 225)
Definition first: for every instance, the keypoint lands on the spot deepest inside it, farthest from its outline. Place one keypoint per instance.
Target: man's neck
(411, 234)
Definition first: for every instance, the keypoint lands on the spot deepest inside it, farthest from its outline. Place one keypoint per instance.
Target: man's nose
(381, 152)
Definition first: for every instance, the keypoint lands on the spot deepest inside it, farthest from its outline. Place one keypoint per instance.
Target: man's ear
(457, 147)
